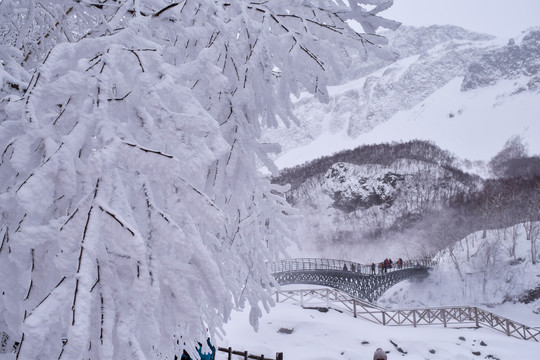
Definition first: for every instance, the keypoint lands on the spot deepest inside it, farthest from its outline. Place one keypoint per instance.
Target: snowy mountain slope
(434, 91)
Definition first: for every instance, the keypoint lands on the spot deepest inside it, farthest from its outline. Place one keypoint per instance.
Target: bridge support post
(327, 298)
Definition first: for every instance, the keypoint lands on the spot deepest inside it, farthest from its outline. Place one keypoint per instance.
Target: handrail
(245, 355)
(415, 317)
(303, 264)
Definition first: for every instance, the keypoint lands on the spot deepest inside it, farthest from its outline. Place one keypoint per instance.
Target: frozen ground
(333, 335)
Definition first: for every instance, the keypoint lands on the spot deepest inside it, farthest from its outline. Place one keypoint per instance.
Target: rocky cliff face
(508, 62)
(355, 187)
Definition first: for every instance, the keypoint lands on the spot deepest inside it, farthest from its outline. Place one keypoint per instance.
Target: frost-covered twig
(5, 150)
(170, 6)
(20, 223)
(45, 298)
(69, 219)
(98, 277)
(119, 99)
(148, 150)
(117, 220)
(5, 239)
(20, 346)
(313, 56)
(62, 111)
(138, 58)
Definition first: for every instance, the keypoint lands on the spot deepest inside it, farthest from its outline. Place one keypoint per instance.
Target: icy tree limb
(45, 298)
(117, 220)
(165, 9)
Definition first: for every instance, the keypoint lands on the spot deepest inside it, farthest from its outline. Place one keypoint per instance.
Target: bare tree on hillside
(507, 237)
(514, 148)
(530, 221)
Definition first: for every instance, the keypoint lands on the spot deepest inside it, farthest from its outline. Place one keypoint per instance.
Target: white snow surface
(334, 335)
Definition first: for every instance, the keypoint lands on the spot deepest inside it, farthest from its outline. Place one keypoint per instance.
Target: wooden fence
(446, 316)
(244, 354)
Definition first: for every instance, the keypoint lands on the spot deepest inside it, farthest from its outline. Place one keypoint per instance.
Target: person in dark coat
(379, 355)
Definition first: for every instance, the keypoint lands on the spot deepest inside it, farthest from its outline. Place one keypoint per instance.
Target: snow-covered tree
(133, 215)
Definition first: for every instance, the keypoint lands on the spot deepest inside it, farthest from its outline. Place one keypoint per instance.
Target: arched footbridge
(355, 279)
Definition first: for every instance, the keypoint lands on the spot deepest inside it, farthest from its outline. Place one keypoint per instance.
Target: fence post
(277, 296)
(507, 327)
(279, 356)
(245, 355)
(229, 356)
(414, 318)
(476, 316)
(354, 306)
(443, 312)
(301, 298)
(384, 318)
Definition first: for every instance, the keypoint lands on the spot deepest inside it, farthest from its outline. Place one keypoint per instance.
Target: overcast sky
(503, 18)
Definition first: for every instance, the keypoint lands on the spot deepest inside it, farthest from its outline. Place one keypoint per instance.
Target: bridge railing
(303, 264)
(445, 316)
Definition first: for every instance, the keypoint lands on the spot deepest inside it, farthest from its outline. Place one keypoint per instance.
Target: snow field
(333, 335)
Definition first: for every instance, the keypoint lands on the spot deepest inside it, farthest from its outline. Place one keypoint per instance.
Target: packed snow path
(357, 280)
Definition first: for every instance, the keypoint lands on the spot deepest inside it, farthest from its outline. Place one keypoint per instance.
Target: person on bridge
(372, 268)
(399, 263)
(379, 355)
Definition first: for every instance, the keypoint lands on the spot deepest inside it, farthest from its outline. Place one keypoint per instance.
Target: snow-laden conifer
(133, 214)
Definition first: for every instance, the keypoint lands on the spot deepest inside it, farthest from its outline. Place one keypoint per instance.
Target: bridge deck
(358, 280)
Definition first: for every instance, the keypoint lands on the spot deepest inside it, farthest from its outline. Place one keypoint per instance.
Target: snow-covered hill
(464, 91)
(486, 272)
